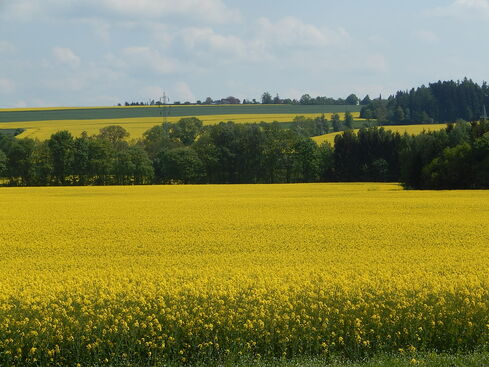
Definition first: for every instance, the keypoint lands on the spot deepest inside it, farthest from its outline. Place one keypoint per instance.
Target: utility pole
(166, 109)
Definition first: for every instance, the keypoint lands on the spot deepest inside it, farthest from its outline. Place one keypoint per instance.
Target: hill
(42, 122)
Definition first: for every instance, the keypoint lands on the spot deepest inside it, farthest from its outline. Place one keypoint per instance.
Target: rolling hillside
(42, 122)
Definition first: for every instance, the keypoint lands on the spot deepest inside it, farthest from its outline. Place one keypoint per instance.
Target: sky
(102, 52)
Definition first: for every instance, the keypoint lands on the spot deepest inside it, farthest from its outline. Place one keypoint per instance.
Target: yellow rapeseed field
(137, 126)
(401, 129)
(93, 275)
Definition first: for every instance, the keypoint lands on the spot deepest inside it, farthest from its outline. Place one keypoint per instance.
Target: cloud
(66, 56)
(182, 91)
(195, 11)
(292, 32)
(214, 11)
(206, 40)
(149, 59)
(426, 36)
(463, 9)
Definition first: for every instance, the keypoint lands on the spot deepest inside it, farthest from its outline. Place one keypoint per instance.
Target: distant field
(409, 129)
(99, 113)
(41, 123)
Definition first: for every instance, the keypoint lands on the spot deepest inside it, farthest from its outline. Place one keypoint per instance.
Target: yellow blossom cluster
(97, 275)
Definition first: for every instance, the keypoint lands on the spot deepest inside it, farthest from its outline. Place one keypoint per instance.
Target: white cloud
(210, 11)
(205, 40)
(426, 36)
(66, 56)
(182, 91)
(149, 58)
(214, 11)
(463, 9)
(292, 32)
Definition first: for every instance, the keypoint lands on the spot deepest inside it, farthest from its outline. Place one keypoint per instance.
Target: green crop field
(21, 115)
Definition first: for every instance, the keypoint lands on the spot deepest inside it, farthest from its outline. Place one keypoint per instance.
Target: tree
(81, 159)
(157, 139)
(305, 99)
(3, 164)
(142, 171)
(115, 135)
(336, 122)
(186, 130)
(399, 115)
(307, 160)
(123, 167)
(61, 146)
(366, 101)
(42, 168)
(266, 98)
(326, 162)
(348, 120)
(352, 99)
(101, 160)
(208, 100)
(179, 165)
(19, 155)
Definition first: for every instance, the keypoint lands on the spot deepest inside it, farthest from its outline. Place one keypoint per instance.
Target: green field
(93, 113)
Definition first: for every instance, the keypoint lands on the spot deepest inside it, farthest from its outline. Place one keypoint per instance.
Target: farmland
(203, 273)
(401, 129)
(42, 122)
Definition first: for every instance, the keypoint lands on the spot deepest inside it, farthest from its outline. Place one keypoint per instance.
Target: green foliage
(114, 134)
(3, 164)
(61, 147)
(336, 122)
(348, 121)
(186, 152)
(186, 130)
(439, 102)
(179, 165)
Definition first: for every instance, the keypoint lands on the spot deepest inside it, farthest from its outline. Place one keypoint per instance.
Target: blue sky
(101, 52)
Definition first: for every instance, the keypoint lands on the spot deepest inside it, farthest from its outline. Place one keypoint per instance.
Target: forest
(187, 152)
(443, 101)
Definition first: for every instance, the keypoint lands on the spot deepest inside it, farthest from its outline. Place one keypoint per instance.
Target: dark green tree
(336, 122)
(186, 130)
(113, 133)
(348, 121)
(266, 98)
(352, 99)
(42, 168)
(61, 146)
(3, 164)
(179, 165)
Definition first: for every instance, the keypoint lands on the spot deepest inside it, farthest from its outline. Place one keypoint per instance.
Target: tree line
(188, 152)
(441, 102)
(266, 98)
